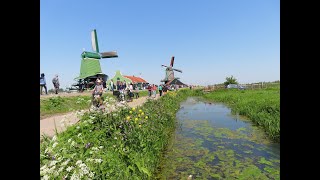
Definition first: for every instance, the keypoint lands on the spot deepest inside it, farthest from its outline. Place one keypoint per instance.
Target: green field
(262, 106)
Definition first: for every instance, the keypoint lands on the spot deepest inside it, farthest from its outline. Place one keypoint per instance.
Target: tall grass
(262, 106)
(127, 144)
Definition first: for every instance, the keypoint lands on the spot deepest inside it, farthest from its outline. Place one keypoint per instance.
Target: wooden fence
(260, 85)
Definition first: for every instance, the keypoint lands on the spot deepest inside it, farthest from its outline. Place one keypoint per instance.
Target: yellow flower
(130, 112)
(146, 117)
(133, 109)
(139, 126)
(140, 110)
(128, 117)
(136, 119)
(138, 115)
(142, 113)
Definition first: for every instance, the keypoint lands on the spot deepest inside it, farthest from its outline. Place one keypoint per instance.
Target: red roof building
(136, 79)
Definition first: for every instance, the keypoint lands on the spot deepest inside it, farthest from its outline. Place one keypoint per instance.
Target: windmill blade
(172, 61)
(110, 54)
(177, 70)
(94, 55)
(164, 65)
(94, 41)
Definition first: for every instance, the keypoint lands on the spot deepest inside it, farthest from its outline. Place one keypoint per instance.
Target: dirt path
(47, 125)
(64, 94)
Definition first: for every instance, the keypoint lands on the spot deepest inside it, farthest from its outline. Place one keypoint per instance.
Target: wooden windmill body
(170, 72)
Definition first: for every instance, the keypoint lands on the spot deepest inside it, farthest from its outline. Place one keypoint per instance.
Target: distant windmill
(169, 72)
(90, 63)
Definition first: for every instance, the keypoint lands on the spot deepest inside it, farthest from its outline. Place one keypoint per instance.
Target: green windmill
(90, 68)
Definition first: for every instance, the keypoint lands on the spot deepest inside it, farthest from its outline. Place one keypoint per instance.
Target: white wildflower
(48, 149)
(89, 159)
(54, 145)
(69, 140)
(78, 162)
(114, 146)
(44, 170)
(54, 138)
(79, 134)
(60, 169)
(46, 177)
(95, 149)
(74, 176)
(85, 171)
(55, 174)
(73, 143)
(98, 160)
(115, 137)
(43, 167)
(51, 170)
(78, 127)
(69, 168)
(101, 147)
(65, 163)
(91, 174)
(52, 163)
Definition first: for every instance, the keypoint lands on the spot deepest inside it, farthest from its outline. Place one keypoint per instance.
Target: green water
(211, 143)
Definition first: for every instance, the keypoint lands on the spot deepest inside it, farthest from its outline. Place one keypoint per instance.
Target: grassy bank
(262, 106)
(58, 105)
(127, 144)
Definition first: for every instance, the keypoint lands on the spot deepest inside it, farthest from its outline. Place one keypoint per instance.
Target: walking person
(149, 90)
(136, 90)
(43, 84)
(160, 90)
(164, 89)
(154, 90)
(111, 85)
(56, 83)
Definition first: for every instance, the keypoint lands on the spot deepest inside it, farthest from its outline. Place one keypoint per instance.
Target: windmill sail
(110, 54)
(177, 70)
(90, 63)
(94, 41)
(172, 61)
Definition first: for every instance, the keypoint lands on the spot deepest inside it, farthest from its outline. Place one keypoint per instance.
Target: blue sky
(210, 39)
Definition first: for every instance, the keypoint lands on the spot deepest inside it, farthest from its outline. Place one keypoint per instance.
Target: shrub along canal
(212, 143)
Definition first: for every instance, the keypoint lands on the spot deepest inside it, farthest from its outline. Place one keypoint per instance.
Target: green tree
(230, 80)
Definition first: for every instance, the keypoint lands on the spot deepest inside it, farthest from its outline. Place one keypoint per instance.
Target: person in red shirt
(154, 90)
